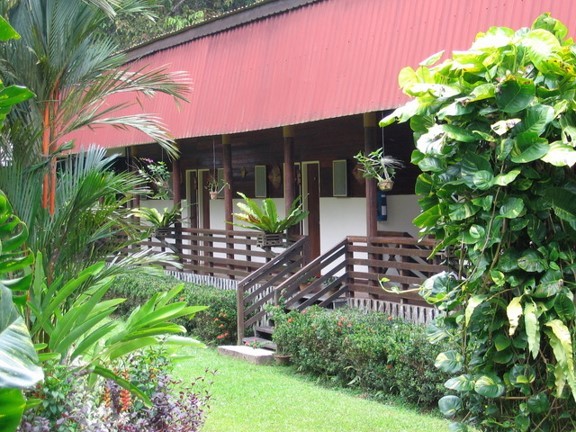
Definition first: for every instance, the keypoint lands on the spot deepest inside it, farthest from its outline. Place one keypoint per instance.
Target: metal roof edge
(215, 25)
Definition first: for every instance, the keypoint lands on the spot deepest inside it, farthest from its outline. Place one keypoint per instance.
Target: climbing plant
(495, 131)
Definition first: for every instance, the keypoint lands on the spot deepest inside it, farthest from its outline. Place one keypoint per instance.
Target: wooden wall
(323, 141)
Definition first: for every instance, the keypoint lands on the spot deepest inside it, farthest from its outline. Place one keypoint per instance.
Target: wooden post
(227, 164)
(228, 203)
(289, 189)
(177, 201)
(371, 192)
(132, 154)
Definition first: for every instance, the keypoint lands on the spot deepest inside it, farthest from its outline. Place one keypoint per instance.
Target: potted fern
(380, 167)
(160, 221)
(266, 220)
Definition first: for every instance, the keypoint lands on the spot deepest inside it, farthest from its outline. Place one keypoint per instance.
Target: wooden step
(264, 331)
(258, 342)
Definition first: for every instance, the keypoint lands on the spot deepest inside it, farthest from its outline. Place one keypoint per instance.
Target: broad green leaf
(6, 31)
(489, 386)
(18, 359)
(431, 60)
(481, 92)
(428, 218)
(501, 342)
(407, 77)
(462, 383)
(107, 373)
(538, 403)
(483, 180)
(495, 37)
(515, 94)
(506, 179)
(532, 262)
(536, 119)
(512, 208)
(449, 362)
(528, 147)
(473, 303)
(498, 277)
(12, 405)
(564, 307)
(401, 114)
(461, 211)
(540, 44)
(459, 134)
(449, 405)
(514, 312)
(432, 142)
(522, 422)
(560, 155)
(563, 203)
(13, 95)
(532, 328)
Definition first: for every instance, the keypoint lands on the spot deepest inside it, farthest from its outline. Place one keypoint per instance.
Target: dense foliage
(215, 325)
(168, 16)
(372, 351)
(68, 402)
(495, 130)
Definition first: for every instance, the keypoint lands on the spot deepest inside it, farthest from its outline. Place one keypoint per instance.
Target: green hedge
(214, 326)
(372, 351)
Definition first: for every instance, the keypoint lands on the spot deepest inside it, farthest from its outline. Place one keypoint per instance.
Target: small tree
(495, 130)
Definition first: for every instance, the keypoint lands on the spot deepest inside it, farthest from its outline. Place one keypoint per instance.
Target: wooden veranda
(378, 273)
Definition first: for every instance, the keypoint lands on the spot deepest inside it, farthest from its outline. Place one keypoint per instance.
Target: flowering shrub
(70, 403)
(371, 351)
(213, 326)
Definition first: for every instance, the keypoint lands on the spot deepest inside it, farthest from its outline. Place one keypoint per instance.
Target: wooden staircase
(352, 270)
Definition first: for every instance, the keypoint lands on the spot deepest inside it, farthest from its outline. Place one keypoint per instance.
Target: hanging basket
(270, 239)
(385, 185)
(162, 232)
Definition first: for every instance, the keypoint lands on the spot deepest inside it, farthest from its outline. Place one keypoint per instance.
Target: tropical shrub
(372, 351)
(68, 402)
(494, 128)
(18, 360)
(216, 325)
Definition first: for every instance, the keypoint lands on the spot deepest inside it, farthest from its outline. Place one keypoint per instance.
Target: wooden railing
(259, 288)
(380, 265)
(355, 271)
(219, 253)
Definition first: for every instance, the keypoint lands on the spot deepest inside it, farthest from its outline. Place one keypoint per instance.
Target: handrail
(257, 287)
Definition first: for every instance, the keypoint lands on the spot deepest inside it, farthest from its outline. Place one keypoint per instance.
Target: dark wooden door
(312, 200)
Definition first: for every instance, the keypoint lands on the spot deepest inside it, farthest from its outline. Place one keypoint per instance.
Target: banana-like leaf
(18, 359)
(12, 404)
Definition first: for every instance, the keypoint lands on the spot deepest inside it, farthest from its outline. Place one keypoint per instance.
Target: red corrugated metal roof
(322, 60)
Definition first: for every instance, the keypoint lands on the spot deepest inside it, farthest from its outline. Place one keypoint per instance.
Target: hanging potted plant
(215, 186)
(380, 167)
(266, 220)
(160, 221)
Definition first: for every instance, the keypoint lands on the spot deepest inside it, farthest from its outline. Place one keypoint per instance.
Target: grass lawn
(250, 398)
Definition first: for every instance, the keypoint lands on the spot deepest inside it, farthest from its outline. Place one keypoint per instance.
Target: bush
(216, 325)
(371, 351)
(73, 402)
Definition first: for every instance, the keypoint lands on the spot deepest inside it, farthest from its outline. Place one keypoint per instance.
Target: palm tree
(73, 69)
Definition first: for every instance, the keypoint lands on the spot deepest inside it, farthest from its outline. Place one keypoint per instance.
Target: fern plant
(265, 218)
